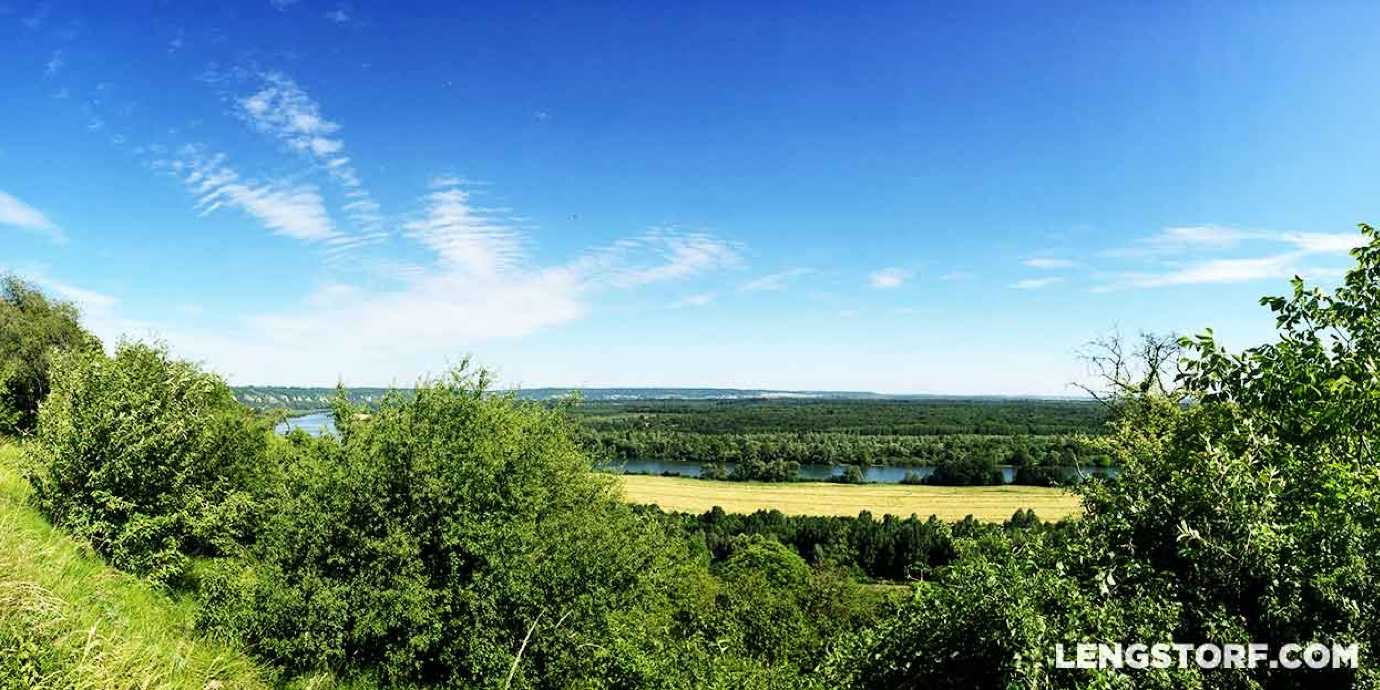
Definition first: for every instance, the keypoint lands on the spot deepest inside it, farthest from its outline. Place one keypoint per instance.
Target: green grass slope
(68, 621)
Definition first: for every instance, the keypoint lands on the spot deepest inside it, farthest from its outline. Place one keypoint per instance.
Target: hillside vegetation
(68, 621)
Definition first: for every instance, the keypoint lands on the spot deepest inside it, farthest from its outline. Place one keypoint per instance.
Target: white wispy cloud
(1199, 238)
(1292, 253)
(289, 209)
(1324, 242)
(1036, 283)
(17, 214)
(339, 15)
(284, 110)
(464, 236)
(697, 300)
(91, 302)
(472, 274)
(54, 64)
(1046, 263)
(888, 277)
(97, 308)
(480, 283)
(36, 19)
(775, 281)
(1219, 271)
(659, 255)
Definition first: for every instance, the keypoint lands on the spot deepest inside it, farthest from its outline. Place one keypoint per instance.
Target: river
(317, 423)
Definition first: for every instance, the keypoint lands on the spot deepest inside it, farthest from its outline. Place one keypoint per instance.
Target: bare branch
(1119, 369)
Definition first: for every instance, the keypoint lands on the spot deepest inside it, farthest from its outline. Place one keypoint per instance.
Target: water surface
(318, 423)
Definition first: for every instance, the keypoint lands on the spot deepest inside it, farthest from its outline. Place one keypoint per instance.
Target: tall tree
(32, 326)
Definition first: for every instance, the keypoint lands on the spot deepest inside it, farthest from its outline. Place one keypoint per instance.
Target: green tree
(457, 536)
(1247, 509)
(145, 457)
(32, 326)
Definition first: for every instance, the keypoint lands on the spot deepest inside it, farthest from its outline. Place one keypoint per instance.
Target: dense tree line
(844, 448)
(921, 417)
(889, 548)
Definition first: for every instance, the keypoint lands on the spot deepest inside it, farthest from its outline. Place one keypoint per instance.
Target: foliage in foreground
(460, 537)
(147, 458)
(1251, 514)
(68, 621)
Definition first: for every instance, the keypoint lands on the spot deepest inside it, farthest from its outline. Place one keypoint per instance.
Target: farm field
(988, 503)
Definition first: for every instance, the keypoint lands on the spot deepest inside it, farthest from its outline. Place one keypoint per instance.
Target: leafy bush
(852, 474)
(1246, 511)
(992, 620)
(965, 470)
(781, 610)
(32, 327)
(453, 537)
(147, 458)
(1043, 475)
(759, 470)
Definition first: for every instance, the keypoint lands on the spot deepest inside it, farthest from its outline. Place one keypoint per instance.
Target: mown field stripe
(989, 503)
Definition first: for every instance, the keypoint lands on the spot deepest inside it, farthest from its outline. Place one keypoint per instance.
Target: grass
(990, 503)
(69, 621)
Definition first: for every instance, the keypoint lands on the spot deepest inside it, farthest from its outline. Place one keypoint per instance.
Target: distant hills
(308, 398)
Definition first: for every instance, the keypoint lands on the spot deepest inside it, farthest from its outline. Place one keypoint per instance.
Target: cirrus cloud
(17, 214)
(887, 278)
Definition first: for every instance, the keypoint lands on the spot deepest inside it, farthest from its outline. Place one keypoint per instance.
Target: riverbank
(988, 503)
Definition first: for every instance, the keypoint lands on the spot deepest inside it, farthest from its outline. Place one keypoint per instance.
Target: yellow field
(990, 503)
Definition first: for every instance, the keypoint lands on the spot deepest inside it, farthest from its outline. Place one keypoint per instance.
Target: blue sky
(906, 198)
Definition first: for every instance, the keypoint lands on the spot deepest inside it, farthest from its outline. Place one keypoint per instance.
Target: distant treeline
(767, 440)
(919, 417)
(312, 398)
(300, 399)
(842, 448)
(888, 548)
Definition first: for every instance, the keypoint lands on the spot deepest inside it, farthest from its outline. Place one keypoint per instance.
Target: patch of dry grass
(990, 503)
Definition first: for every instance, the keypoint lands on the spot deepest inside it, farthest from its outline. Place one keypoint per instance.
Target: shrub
(1044, 475)
(967, 470)
(454, 537)
(759, 470)
(912, 478)
(1246, 510)
(852, 474)
(992, 620)
(147, 458)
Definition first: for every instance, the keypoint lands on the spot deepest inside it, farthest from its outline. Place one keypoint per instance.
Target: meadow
(987, 503)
